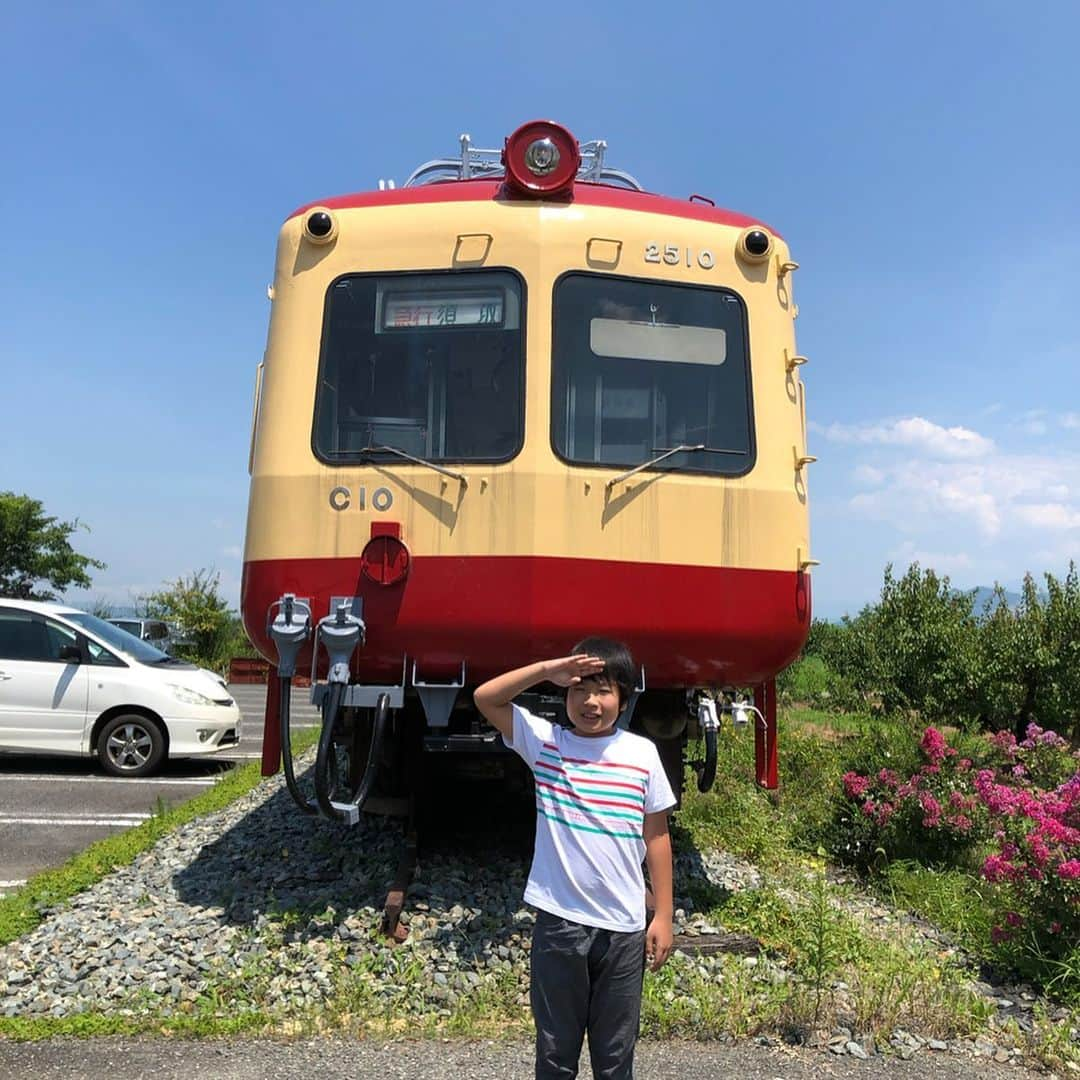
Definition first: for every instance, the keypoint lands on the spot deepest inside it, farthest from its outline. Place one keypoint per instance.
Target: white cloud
(868, 476)
(1055, 516)
(944, 486)
(942, 562)
(916, 433)
(1071, 420)
(916, 492)
(234, 551)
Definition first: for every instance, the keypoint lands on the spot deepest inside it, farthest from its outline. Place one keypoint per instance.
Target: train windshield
(642, 367)
(430, 364)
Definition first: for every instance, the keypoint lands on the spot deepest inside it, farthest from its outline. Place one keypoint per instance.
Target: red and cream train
(512, 402)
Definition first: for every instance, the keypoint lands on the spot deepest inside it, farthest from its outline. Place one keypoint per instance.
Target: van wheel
(130, 745)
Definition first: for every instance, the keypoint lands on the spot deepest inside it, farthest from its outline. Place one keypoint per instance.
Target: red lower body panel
(689, 625)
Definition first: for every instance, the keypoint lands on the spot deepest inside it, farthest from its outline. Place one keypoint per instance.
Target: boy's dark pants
(585, 979)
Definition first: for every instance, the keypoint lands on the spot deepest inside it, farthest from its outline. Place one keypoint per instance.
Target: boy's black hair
(619, 666)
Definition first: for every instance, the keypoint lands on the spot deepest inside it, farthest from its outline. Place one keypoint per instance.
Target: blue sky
(921, 159)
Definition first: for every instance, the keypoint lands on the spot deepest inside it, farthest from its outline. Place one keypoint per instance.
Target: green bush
(213, 633)
(922, 650)
(811, 681)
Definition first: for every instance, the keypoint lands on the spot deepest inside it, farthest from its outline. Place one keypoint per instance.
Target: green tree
(1028, 667)
(37, 561)
(1001, 664)
(1061, 702)
(211, 632)
(919, 643)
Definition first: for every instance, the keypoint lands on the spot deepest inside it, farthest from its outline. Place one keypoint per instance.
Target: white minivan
(71, 683)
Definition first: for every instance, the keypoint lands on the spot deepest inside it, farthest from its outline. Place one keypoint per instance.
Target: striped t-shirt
(592, 795)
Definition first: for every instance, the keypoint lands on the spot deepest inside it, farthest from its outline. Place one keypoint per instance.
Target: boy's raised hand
(493, 698)
(570, 670)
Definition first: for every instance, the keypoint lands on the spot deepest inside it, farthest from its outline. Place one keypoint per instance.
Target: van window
(128, 644)
(24, 636)
(58, 637)
(101, 656)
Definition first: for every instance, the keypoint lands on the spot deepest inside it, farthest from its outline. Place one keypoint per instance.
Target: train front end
(497, 411)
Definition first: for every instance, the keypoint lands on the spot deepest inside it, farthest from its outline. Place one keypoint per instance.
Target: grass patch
(22, 910)
(768, 827)
(953, 900)
(805, 719)
(90, 1025)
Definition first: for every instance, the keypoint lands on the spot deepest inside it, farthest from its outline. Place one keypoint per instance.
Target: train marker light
(320, 226)
(541, 158)
(753, 245)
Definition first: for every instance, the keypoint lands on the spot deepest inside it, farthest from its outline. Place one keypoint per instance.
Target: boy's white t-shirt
(592, 795)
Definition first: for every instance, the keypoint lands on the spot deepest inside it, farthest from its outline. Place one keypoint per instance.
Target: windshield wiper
(666, 454)
(461, 477)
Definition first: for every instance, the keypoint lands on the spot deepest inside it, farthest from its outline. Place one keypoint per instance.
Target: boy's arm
(493, 698)
(658, 936)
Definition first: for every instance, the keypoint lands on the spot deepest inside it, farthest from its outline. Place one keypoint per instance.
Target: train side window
(430, 364)
(640, 367)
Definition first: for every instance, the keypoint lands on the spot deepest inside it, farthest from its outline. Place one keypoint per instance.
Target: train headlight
(541, 158)
(754, 244)
(320, 226)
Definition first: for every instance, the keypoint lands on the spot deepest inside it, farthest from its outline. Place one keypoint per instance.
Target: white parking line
(102, 779)
(75, 820)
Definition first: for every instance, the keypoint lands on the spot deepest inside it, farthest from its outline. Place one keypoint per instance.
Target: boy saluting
(601, 807)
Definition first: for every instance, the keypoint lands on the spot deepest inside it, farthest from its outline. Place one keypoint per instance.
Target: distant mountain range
(983, 594)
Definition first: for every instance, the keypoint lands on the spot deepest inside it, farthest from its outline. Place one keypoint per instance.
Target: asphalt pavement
(444, 1059)
(53, 808)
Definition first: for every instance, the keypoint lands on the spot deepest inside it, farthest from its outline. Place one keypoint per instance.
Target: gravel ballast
(261, 908)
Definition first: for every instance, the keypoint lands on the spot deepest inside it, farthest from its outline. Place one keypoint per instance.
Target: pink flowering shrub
(1010, 812)
(1034, 863)
(1041, 758)
(924, 809)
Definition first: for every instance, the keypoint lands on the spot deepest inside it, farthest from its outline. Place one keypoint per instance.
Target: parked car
(155, 631)
(71, 683)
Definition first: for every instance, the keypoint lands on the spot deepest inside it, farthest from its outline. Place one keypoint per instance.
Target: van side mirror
(71, 653)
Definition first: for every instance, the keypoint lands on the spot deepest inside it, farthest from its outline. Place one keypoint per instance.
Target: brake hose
(335, 691)
(284, 708)
(367, 781)
(709, 723)
(708, 772)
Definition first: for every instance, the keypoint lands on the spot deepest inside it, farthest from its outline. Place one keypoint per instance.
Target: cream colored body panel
(535, 504)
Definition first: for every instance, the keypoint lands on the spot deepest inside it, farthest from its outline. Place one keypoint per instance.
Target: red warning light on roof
(541, 158)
